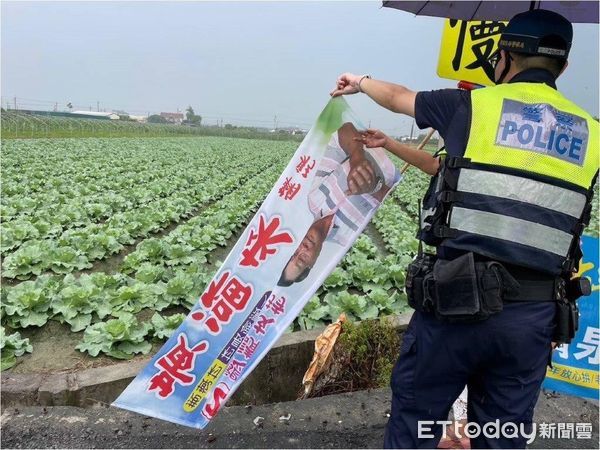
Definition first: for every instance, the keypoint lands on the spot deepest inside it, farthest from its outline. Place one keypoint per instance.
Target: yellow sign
(204, 385)
(575, 375)
(466, 49)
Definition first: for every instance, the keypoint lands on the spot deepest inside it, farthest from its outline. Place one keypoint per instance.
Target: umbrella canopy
(576, 12)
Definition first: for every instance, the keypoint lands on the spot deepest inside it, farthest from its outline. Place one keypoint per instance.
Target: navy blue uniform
(502, 360)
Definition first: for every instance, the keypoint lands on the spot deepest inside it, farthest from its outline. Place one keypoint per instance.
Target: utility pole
(275, 122)
(98, 105)
(15, 103)
(412, 127)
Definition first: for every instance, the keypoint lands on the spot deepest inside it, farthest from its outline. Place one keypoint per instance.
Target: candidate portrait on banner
(350, 181)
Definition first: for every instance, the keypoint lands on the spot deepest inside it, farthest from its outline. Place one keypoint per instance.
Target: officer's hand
(361, 178)
(347, 83)
(373, 138)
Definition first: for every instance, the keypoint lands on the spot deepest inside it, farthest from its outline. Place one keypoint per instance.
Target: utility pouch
(567, 321)
(456, 289)
(574, 317)
(496, 284)
(417, 286)
(468, 291)
(567, 312)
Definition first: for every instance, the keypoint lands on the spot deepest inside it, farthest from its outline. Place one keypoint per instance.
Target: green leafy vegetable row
(166, 272)
(75, 248)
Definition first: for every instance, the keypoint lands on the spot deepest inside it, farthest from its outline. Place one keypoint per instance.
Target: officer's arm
(391, 96)
(418, 158)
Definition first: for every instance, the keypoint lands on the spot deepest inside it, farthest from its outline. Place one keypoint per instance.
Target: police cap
(538, 32)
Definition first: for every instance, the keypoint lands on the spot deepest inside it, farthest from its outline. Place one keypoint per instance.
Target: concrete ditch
(69, 410)
(277, 378)
(352, 420)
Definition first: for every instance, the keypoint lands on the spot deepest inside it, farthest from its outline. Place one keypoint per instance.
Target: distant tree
(191, 117)
(155, 118)
(189, 113)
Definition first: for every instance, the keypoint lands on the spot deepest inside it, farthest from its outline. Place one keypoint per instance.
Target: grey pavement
(355, 420)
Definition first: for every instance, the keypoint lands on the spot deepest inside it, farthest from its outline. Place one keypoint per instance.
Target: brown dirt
(377, 239)
(54, 351)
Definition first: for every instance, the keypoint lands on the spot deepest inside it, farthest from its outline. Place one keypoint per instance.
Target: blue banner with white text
(575, 367)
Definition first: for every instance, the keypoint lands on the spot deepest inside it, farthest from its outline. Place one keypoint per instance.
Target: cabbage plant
(10, 347)
(121, 338)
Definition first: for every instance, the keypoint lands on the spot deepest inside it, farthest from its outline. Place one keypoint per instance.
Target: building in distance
(95, 115)
(172, 117)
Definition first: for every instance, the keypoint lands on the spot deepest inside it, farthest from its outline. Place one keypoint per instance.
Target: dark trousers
(502, 360)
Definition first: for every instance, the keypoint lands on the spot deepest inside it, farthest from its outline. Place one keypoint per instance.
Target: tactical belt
(528, 291)
(534, 291)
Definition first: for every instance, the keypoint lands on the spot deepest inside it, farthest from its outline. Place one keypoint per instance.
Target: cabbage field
(113, 239)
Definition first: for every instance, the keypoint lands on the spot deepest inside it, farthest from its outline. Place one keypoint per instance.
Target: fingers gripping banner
(319, 206)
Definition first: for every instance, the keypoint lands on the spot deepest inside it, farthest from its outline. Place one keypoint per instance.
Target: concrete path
(354, 420)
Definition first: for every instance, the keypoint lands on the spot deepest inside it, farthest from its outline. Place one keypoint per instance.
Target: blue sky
(243, 63)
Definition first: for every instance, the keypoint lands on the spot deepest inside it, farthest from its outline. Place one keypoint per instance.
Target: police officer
(505, 211)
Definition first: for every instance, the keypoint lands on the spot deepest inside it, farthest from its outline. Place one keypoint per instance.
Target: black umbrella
(576, 12)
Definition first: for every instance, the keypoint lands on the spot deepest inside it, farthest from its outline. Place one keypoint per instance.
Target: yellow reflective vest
(521, 194)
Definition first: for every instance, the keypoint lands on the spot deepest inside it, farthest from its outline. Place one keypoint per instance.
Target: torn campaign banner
(307, 223)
